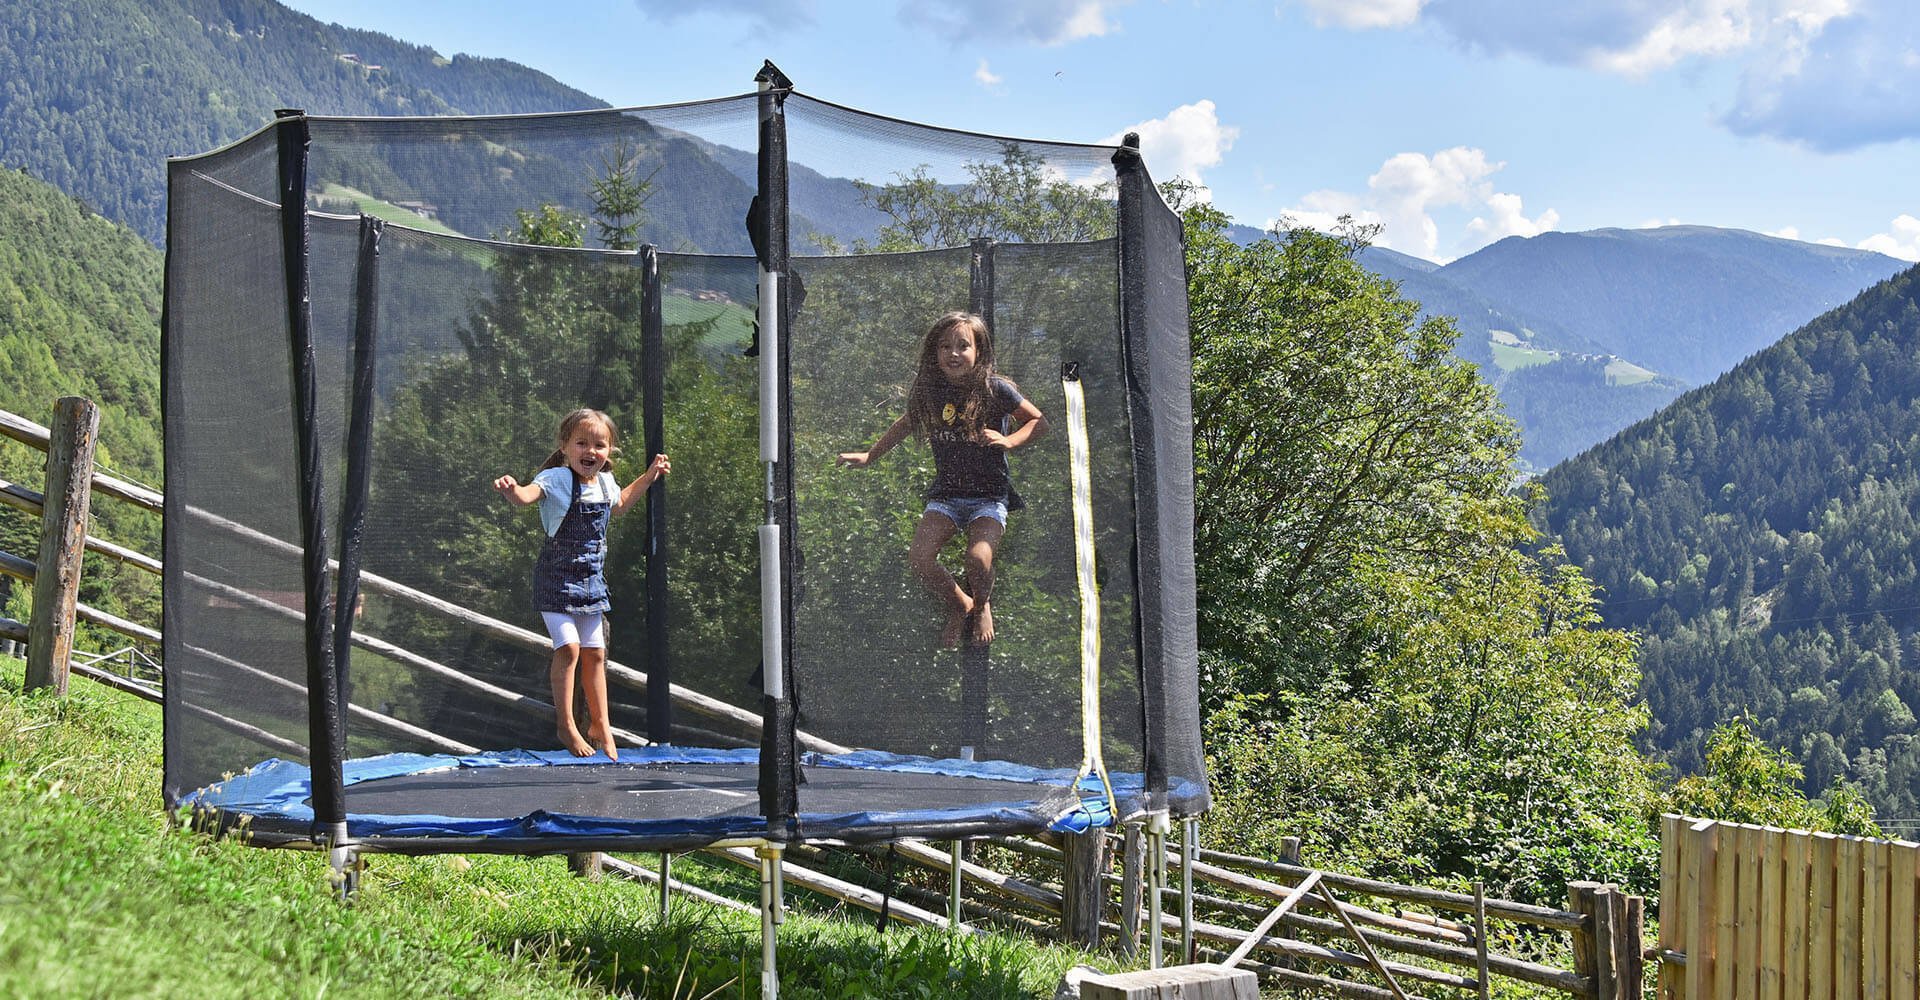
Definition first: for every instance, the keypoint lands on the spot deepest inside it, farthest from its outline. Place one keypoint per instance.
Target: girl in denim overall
(578, 496)
(970, 417)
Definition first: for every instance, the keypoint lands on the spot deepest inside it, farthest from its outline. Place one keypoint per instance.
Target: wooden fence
(1780, 914)
(1281, 918)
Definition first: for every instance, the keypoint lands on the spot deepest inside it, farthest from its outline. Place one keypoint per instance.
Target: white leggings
(588, 631)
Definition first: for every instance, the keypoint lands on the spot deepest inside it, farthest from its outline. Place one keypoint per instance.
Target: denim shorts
(963, 511)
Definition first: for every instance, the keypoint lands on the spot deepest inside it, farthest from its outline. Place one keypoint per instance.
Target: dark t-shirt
(964, 465)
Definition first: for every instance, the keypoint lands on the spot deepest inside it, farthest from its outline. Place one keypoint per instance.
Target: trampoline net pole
(323, 715)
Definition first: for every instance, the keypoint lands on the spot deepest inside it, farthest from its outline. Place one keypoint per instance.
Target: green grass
(1509, 358)
(336, 196)
(1627, 373)
(102, 894)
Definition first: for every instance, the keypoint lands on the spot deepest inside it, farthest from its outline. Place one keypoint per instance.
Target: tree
(1746, 781)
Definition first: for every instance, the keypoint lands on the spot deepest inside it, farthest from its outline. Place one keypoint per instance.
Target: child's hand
(506, 485)
(995, 439)
(855, 459)
(660, 466)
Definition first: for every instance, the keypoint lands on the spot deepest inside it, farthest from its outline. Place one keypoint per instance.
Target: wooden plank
(1175, 982)
(1700, 879)
(1875, 898)
(20, 498)
(1673, 929)
(1796, 854)
(63, 534)
(1366, 947)
(1266, 924)
(35, 436)
(1459, 902)
(1726, 873)
(1821, 917)
(1847, 907)
(1772, 926)
(1903, 920)
(1746, 934)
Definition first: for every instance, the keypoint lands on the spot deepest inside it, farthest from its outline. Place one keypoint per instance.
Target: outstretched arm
(893, 436)
(1033, 427)
(655, 469)
(517, 493)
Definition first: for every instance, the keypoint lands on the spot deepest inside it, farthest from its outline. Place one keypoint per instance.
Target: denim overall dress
(569, 576)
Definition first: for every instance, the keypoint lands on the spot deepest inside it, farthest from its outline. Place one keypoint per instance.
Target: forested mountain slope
(96, 94)
(1764, 533)
(80, 315)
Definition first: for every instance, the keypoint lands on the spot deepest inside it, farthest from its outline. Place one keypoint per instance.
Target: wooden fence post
(1610, 953)
(1132, 857)
(63, 535)
(1083, 894)
(587, 864)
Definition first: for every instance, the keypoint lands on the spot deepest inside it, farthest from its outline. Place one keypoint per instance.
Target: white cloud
(1362, 14)
(1848, 81)
(1784, 232)
(1404, 194)
(1509, 220)
(986, 77)
(1829, 74)
(1902, 239)
(1188, 140)
(1046, 22)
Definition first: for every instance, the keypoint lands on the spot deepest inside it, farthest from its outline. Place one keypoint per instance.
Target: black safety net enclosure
(370, 320)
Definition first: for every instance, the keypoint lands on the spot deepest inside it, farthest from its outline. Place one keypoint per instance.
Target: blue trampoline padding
(280, 790)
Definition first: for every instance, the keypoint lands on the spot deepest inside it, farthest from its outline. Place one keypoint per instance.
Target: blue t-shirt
(556, 494)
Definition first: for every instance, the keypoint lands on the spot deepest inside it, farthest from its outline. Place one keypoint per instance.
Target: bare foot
(983, 625)
(955, 627)
(575, 745)
(602, 736)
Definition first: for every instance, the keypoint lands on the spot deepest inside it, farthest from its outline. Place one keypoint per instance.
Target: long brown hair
(924, 396)
(570, 423)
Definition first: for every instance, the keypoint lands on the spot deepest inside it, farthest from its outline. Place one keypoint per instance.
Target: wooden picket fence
(1780, 914)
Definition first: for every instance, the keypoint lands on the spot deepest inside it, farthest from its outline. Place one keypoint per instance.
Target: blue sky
(1450, 123)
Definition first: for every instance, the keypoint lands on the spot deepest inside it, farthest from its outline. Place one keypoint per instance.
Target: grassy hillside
(101, 895)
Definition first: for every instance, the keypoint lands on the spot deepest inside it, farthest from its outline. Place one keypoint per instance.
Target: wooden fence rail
(1782, 914)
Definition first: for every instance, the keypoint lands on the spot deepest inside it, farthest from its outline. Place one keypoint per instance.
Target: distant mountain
(1685, 301)
(96, 94)
(1761, 533)
(1585, 333)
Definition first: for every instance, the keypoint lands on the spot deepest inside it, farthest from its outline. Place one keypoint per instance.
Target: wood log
(63, 532)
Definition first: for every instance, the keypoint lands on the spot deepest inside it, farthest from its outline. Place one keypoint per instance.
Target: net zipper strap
(1091, 761)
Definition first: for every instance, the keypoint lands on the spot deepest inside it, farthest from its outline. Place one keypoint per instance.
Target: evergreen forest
(1760, 535)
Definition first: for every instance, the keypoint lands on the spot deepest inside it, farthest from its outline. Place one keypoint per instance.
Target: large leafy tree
(1391, 671)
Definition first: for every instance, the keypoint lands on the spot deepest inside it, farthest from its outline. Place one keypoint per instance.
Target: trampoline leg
(956, 920)
(343, 861)
(666, 878)
(771, 916)
(1189, 847)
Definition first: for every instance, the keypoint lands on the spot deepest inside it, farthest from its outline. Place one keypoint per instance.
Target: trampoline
(367, 320)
